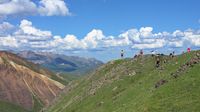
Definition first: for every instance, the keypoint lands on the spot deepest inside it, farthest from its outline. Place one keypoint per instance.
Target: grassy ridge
(129, 86)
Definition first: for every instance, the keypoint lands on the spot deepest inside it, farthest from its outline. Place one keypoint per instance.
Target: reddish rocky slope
(23, 83)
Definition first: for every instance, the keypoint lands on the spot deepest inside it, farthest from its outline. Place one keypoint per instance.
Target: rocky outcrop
(193, 61)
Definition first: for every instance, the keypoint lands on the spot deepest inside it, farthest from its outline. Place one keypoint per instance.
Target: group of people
(140, 54)
(157, 56)
(153, 53)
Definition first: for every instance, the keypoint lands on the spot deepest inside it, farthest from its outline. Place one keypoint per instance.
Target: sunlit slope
(25, 84)
(136, 86)
(8, 107)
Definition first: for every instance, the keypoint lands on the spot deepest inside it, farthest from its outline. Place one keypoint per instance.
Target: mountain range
(62, 64)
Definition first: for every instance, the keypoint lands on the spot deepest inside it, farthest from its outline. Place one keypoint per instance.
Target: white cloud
(53, 7)
(8, 42)
(73, 43)
(157, 43)
(28, 37)
(146, 31)
(178, 33)
(26, 28)
(193, 39)
(28, 7)
(177, 43)
(114, 42)
(92, 38)
(70, 42)
(6, 28)
(13, 7)
(132, 35)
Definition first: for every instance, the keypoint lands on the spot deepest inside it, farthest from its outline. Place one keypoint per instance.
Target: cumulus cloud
(176, 43)
(26, 29)
(194, 39)
(6, 28)
(93, 38)
(132, 35)
(178, 33)
(146, 39)
(8, 41)
(73, 43)
(30, 7)
(146, 31)
(27, 37)
(143, 38)
(112, 41)
(69, 42)
(53, 7)
(153, 43)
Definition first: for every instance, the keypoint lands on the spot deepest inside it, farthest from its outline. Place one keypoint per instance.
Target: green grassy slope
(129, 86)
(8, 107)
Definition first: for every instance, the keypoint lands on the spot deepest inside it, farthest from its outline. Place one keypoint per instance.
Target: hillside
(136, 85)
(9, 107)
(62, 64)
(25, 86)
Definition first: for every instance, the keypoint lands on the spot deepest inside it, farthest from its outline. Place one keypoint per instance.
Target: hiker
(141, 52)
(153, 53)
(135, 56)
(122, 53)
(188, 50)
(173, 53)
(157, 62)
(170, 55)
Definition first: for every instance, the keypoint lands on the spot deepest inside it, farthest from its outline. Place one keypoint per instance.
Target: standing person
(157, 61)
(122, 53)
(173, 53)
(188, 50)
(153, 53)
(141, 52)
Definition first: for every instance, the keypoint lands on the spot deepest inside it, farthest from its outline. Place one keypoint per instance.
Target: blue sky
(106, 19)
(115, 16)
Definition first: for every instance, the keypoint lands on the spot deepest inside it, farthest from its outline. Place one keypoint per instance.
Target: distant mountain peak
(61, 63)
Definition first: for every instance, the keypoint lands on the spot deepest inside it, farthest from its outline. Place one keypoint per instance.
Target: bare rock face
(21, 85)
